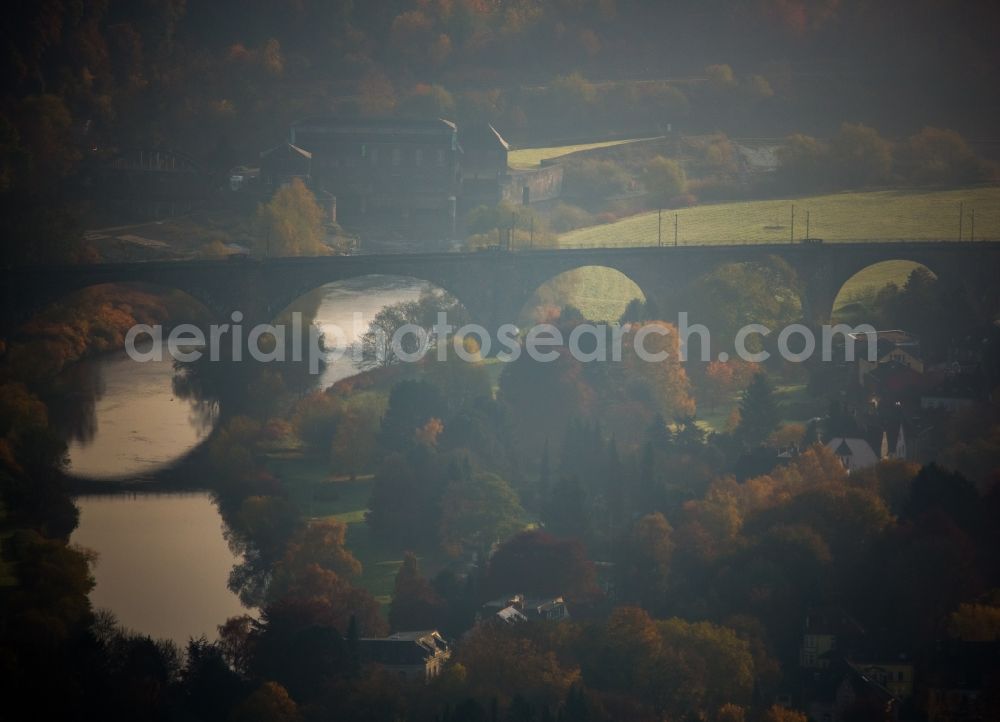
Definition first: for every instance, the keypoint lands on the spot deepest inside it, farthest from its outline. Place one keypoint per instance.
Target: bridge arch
(601, 293)
(343, 310)
(854, 299)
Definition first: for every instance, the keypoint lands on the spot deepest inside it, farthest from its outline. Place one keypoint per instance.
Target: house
(243, 177)
(282, 163)
(483, 165)
(853, 453)
(893, 673)
(395, 169)
(516, 608)
(826, 632)
(954, 392)
(509, 616)
(416, 177)
(148, 182)
(842, 693)
(549, 609)
(894, 382)
(890, 346)
(412, 656)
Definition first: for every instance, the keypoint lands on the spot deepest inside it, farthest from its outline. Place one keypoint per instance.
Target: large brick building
(414, 175)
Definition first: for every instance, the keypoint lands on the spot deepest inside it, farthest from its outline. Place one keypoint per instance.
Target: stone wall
(543, 184)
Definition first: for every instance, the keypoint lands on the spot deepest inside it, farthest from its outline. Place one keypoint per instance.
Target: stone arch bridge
(493, 286)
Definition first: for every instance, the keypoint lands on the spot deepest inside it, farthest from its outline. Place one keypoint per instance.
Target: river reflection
(163, 562)
(123, 419)
(340, 301)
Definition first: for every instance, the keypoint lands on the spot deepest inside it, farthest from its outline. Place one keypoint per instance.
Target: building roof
(511, 615)
(859, 450)
(887, 342)
(374, 126)
(482, 135)
(542, 605)
(287, 148)
(403, 648)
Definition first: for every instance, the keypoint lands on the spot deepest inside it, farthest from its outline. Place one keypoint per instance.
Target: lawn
(525, 158)
(321, 496)
(889, 215)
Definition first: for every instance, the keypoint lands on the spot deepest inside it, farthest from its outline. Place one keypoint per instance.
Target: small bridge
(494, 286)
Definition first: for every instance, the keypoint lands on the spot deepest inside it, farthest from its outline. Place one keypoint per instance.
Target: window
(397, 156)
(440, 157)
(374, 156)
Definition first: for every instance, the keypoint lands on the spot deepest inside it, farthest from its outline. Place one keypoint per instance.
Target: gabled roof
(288, 148)
(482, 134)
(859, 450)
(511, 615)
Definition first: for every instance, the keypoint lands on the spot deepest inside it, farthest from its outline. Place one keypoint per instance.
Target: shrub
(593, 178)
(938, 156)
(565, 217)
(664, 177)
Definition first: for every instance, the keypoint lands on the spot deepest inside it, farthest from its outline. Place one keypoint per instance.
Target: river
(163, 562)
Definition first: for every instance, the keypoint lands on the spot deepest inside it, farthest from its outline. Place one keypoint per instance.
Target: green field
(531, 157)
(919, 214)
(873, 215)
(319, 496)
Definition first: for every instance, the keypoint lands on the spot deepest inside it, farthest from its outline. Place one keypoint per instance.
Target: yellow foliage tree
(291, 223)
(662, 368)
(975, 623)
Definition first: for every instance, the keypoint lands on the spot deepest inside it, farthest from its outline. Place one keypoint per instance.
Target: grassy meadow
(321, 496)
(872, 215)
(841, 217)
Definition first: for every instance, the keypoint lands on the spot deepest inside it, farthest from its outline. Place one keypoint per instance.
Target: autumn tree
(662, 368)
(758, 412)
(477, 512)
(644, 566)
(664, 178)
(411, 405)
(938, 156)
(427, 102)
(860, 156)
(537, 563)
(486, 654)
(415, 604)
(352, 448)
(291, 223)
(777, 713)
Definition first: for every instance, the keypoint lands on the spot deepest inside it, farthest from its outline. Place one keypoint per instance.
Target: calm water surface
(163, 562)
